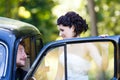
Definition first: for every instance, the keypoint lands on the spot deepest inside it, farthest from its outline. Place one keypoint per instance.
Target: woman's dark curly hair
(73, 19)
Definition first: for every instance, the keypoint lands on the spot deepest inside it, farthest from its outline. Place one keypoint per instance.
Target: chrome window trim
(6, 58)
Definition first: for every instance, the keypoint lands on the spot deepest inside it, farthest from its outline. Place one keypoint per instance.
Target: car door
(93, 58)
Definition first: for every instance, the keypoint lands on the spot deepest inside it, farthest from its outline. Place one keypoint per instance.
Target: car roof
(18, 28)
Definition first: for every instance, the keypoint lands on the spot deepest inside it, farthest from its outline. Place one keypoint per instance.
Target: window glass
(90, 61)
(26, 43)
(79, 61)
(38, 45)
(32, 47)
(3, 59)
(49, 67)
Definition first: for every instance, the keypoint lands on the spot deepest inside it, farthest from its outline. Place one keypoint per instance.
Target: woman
(71, 25)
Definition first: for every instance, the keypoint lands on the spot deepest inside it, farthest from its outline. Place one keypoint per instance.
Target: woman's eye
(61, 30)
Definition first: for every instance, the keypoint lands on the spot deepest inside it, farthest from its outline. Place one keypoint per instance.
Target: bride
(71, 25)
(78, 63)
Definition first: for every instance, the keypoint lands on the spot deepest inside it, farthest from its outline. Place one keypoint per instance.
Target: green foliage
(108, 16)
(39, 13)
(36, 12)
(41, 17)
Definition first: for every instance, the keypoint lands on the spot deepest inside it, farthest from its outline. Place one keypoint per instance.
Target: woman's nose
(60, 34)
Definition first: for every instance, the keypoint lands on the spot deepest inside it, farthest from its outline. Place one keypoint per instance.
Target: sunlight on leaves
(22, 12)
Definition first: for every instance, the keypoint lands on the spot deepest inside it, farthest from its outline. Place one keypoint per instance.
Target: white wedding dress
(77, 67)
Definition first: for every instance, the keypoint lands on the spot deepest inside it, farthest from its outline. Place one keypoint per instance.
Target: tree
(108, 16)
(41, 17)
(105, 15)
(92, 13)
(36, 12)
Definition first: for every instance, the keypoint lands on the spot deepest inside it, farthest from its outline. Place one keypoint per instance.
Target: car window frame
(6, 58)
(46, 48)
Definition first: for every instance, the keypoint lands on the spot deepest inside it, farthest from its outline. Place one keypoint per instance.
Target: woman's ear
(73, 28)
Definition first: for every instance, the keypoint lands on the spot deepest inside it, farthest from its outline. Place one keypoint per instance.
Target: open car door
(92, 58)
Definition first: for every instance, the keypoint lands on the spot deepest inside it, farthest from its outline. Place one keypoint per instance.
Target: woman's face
(65, 32)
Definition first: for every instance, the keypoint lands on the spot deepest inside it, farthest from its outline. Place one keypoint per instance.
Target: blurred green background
(102, 16)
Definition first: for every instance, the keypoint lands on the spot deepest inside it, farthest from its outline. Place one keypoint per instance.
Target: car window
(79, 61)
(3, 59)
(48, 68)
(32, 47)
(90, 61)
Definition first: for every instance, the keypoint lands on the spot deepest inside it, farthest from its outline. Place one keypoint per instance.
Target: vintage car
(12, 32)
(90, 58)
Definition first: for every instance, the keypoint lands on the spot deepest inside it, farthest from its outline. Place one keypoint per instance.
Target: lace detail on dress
(77, 67)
